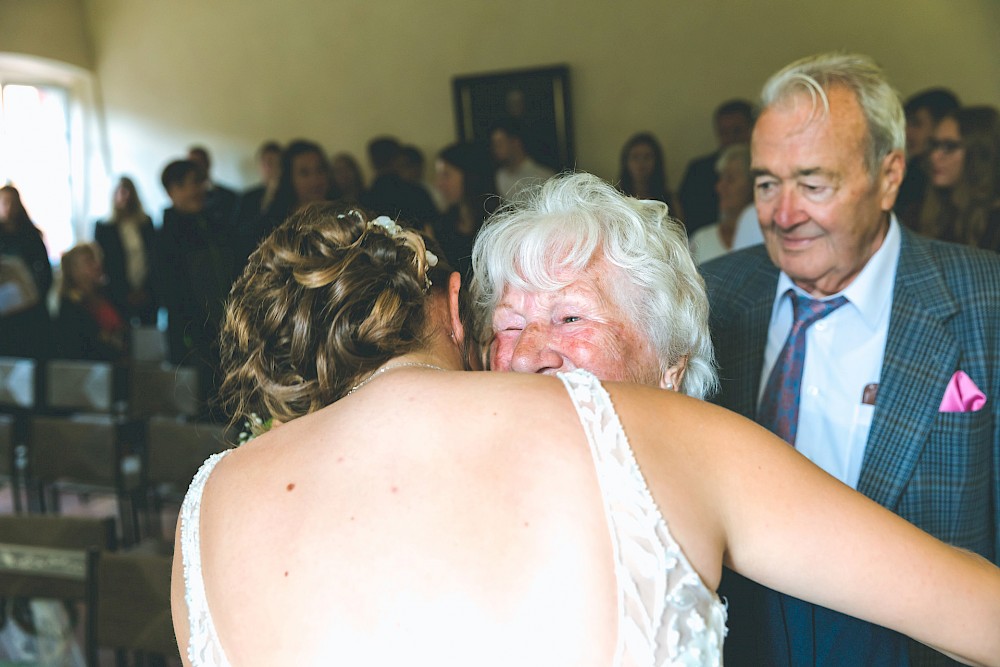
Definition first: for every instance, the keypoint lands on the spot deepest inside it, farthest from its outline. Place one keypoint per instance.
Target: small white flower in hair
(388, 224)
(432, 259)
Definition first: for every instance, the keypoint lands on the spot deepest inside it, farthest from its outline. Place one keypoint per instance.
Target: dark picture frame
(538, 99)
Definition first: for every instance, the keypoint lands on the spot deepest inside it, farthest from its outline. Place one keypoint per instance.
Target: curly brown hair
(325, 300)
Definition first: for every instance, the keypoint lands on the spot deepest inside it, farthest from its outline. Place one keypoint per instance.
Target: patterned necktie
(779, 405)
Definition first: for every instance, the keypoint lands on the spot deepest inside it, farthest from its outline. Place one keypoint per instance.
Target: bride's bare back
(403, 522)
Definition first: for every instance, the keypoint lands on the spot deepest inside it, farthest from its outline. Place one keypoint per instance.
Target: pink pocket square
(962, 395)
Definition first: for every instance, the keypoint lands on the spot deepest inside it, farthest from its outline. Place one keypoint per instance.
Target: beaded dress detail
(204, 649)
(666, 614)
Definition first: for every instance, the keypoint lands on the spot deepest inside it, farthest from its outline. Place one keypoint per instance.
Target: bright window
(35, 158)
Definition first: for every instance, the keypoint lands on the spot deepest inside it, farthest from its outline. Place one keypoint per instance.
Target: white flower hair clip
(392, 228)
(388, 224)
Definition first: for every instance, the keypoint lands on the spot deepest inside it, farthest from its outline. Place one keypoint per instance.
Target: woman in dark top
(643, 173)
(24, 317)
(305, 178)
(963, 203)
(464, 177)
(127, 240)
(89, 326)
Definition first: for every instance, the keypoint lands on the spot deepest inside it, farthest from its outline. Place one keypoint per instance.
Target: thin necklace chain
(385, 369)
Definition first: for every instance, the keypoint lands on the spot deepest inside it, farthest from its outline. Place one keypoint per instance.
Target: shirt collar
(871, 291)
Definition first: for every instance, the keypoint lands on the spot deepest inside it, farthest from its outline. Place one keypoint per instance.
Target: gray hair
(571, 218)
(879, 103)
(739, 153)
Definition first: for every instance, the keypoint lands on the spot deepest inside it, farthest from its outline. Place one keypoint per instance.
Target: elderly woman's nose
(533, 352)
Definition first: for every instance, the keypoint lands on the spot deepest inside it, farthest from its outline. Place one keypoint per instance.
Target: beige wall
(230, 73)
(54, 29)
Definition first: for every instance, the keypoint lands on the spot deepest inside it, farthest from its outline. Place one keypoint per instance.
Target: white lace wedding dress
(666, 614)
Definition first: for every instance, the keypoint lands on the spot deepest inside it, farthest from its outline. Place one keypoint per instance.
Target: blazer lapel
(920, 356)
(746, 339)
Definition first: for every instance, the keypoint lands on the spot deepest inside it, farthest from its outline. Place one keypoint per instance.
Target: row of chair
(144, 451)
(126, 596)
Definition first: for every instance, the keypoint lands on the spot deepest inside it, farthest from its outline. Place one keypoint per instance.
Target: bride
(400, 512)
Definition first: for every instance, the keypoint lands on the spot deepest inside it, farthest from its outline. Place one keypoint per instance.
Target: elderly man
(579, 276)
(874, 352)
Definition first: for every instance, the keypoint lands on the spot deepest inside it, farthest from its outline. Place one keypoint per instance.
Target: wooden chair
(133, 605)
(88, 454)
(19, 388)
(83, 386)
(164, 390)
(147, 344)
(174, 451)
(55, 557)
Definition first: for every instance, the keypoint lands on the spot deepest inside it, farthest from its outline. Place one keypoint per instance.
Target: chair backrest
(17, 382)
(175, 450)
(162, 389)
(81, 448)
(6, 445)
(147, 344)
(45, 556)
(60, 532)
(133, 603)
(80, 386)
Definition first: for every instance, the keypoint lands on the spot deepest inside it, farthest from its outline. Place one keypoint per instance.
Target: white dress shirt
(844, 354)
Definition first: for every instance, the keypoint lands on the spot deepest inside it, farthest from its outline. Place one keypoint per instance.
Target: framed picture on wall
(536, 99)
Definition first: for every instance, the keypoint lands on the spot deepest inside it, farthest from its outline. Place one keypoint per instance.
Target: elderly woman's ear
(673, 376)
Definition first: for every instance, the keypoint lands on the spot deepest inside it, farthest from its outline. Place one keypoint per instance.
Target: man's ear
(457, 329)
(673, 376)
(891, 177)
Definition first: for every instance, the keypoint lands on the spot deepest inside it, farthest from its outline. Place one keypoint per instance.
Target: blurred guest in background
(516, 170)
(348, 182)
(642, 173)
(735, 194)
(963, 202)
(733, 121)
(256, 200)
(25, 279)
(389, 194)
(923, 111)
(127, 241)
(220, 201)
(89, 326)
(198, 265)
(465, 180)
(304, 178)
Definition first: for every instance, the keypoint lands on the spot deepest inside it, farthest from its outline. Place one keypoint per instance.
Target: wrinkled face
(188, 196)
(640, 162)
(732, 128)
(919, 128)
(734, 189)
(580, 326)
(309, 178)
(450, 182)
(822, 215)
(947, 154)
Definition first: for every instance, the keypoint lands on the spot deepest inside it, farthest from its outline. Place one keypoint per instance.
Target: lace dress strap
(667, 616)
(204, 649)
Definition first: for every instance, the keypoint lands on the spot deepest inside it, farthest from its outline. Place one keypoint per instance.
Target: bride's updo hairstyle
(325, 300)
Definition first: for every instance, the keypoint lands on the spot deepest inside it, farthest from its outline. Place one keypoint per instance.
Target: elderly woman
(581, 277)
